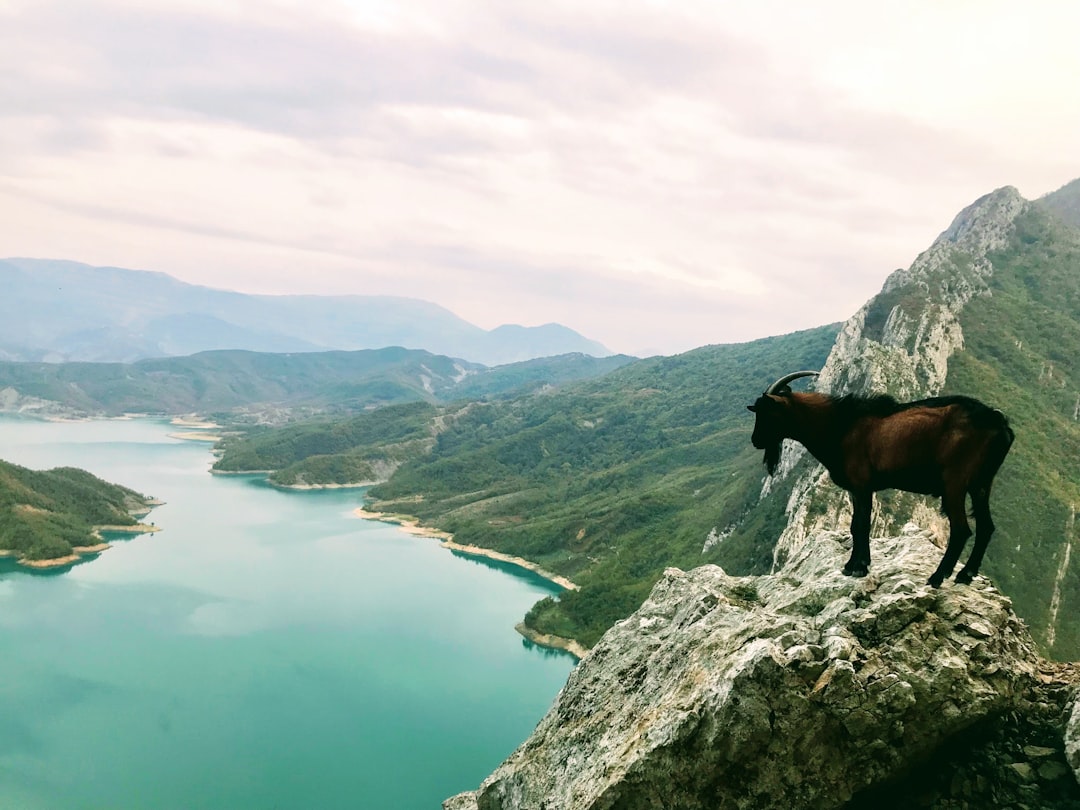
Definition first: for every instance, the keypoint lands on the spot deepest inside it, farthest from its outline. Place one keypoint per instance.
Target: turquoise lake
(267, 649)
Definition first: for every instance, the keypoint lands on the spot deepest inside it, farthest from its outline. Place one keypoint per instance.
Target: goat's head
(770, 428)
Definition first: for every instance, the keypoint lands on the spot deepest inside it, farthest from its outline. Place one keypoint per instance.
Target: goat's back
(918, 445)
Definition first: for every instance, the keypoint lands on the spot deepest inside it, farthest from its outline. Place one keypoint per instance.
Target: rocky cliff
(804, 689)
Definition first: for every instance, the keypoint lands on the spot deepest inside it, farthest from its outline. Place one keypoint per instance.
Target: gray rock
(1072, 739)
(821, 687)
(1023, 770)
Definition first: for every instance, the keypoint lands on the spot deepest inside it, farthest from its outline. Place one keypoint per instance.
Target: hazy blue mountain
(60, 310)
(516, 343)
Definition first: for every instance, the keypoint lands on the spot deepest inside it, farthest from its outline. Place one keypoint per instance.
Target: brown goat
(949, 447)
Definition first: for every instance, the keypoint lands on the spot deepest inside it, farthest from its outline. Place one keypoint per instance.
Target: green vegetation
(229, 384)
(44, 514)
(610, 481)
(360, 449)
(1022, 355)
(606, 481)
(218, 381)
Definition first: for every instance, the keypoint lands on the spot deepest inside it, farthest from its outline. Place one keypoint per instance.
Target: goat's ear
(752, 408)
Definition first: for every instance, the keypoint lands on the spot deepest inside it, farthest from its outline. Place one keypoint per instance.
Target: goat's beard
(772, 456)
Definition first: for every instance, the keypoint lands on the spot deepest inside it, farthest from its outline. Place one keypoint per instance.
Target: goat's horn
(776, 386)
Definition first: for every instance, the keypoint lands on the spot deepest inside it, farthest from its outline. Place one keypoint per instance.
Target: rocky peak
(984, 225)
(801, 689)
(900, 341)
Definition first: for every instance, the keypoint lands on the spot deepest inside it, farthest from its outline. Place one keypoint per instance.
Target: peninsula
(54, 518)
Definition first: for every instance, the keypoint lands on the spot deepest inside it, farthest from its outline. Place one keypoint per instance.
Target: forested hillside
(43, 514)
(223, 383)
(1022, 353)
(359, 449)
(606, 481)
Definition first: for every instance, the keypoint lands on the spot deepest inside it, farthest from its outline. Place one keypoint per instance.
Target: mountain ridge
(241, 385)
(57, 310)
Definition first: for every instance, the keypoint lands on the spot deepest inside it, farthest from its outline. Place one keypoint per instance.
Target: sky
(655, 175)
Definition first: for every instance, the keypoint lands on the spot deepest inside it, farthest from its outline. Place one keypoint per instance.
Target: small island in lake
(51, 518)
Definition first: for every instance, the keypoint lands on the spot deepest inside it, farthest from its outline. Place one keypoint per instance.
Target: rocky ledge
(805, 689)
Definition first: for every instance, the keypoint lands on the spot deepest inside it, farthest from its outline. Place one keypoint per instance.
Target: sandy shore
(358, 485)
(412, 526)
(78, 552)
(521, 562)
(194, 422)
(195, 436)
(571, 646)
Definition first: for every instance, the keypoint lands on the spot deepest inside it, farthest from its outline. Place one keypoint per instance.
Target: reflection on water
(266, 649)
(506, 568)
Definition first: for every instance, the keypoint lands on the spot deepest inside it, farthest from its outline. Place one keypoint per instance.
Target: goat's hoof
(857, 570)
(934, 581)
(964, 578)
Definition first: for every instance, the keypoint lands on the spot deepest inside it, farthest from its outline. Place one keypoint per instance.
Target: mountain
(60, 310)
(231, 383)
(45, 515)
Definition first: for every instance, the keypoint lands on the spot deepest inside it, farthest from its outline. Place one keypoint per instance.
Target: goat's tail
(1002, 440)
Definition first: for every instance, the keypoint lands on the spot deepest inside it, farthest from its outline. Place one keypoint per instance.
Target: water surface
(268, 649)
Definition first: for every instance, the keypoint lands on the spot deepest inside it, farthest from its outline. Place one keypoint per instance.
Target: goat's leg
(959, 532)
(861, 505)
(984, 527)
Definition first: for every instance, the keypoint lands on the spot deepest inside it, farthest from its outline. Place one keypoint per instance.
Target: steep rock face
(796, 690)
(899, 343)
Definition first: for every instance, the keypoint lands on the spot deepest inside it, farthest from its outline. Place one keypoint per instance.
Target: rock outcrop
(803, 689)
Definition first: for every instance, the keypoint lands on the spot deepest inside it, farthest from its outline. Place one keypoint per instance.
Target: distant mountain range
(261, 386)
(57, 311)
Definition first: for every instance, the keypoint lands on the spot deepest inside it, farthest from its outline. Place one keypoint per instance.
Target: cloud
(638, 170)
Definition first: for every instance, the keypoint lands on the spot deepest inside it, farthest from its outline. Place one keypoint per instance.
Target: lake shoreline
(195, 436)
(570, 645)
(298, 487)
(80, 552)
(411, 525)
(309, 487)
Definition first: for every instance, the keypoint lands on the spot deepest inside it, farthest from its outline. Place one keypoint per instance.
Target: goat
(948, 447)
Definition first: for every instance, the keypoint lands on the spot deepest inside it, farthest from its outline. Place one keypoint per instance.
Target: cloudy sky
(656, 175)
